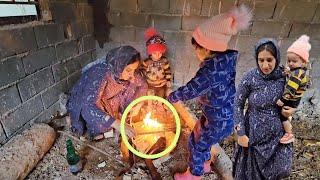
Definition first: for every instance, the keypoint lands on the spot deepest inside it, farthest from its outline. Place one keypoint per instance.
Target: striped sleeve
(293, 84)
(167, 70)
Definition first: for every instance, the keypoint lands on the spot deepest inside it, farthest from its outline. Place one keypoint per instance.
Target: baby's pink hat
(215, 33)
(301, 47)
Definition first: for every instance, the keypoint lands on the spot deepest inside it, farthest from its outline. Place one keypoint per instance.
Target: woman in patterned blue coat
(104, 90)
(259, 154)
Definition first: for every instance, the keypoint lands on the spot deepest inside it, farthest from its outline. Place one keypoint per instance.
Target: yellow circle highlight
(125, 138)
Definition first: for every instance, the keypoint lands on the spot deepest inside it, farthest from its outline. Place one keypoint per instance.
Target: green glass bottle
(74, 160)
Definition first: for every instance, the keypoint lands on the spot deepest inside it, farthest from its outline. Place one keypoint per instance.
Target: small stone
(126, 177)
(161, 160)
(101, 165)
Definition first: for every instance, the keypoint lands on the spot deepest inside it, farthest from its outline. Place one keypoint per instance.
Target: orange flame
(151, 122)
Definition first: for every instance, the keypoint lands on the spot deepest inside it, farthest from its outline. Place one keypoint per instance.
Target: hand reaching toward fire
(128, 129)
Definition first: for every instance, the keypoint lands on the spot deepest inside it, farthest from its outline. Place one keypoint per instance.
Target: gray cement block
(63, 11)
(9, 99)
(59, 71)
(3, 136)
(315, 31)
(15, 41)
(129, 19)
(35, 83)
(300, 10)
(189, 23)
(48, 34)
(22, 115)
(192, 7)
(11, 70)
(154, 6)
(67, 50)
(72, 79)
(210, 7)
(178, 38)
(46, 114)
(52, 94)
(89, 43)
(39, 59)
(167, 22)
(270, 29)
(264, 9)
(118, 34)
(226, 5)
(84, 59)
(298, 29)
(73, 65)
(316, 18)
(177, 6)
(124, 5)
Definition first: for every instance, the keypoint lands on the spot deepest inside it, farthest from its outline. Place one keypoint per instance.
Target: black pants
(290, 103)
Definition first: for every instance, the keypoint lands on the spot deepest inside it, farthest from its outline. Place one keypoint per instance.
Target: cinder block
(48, 34)
(9, 99)
(89, 43)
(124, 5)
(316, 18)
(300, 10)
(78, 29)
(52, 94)
(264, 9)
(167, 22)
(178, 38)
(245, 63)
(246, 43)
(226, 5)
(3, 136)
(88, 13)
(11, 70)
(129, 19)
(67, 50)
(22, 115)
(63, 12)
(153, 6)
(315, 31)
(177, 6)
(84, 59)
(35, 83)
(189, 23)
(298, 29)
(15, 41)
(315, 49)
(89, 27)
(118, 34)
(192, 7)
(72, 79)
(270, 29)
(39, 59)
(210, 7)
(73, 65)
(47, 114)
(102, 52)
(59, 71)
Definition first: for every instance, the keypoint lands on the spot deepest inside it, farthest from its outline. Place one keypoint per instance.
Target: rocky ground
(98, 166)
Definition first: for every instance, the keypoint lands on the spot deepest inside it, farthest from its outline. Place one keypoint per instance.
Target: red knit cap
(154, 41)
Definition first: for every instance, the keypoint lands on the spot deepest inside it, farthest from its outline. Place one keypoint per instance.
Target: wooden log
(22, 153)
(186, 116)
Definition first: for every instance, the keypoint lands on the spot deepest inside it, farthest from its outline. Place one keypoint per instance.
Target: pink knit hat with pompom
(301, 47)
(215, 33)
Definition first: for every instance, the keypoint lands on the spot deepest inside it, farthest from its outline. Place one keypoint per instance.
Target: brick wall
(283, 20)
(39, 60)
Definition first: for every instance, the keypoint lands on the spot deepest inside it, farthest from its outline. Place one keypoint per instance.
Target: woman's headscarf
(277, 71)
(116, 59)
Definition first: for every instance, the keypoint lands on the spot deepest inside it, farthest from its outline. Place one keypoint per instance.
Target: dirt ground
(54, 165)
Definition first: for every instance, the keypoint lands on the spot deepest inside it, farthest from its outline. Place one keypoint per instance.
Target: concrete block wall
(41, 59)
(284, 20)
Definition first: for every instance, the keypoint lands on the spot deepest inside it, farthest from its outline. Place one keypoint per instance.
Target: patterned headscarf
(118, 58)
(277, 71)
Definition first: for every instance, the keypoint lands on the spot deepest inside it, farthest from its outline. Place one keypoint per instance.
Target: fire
(151, 122)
